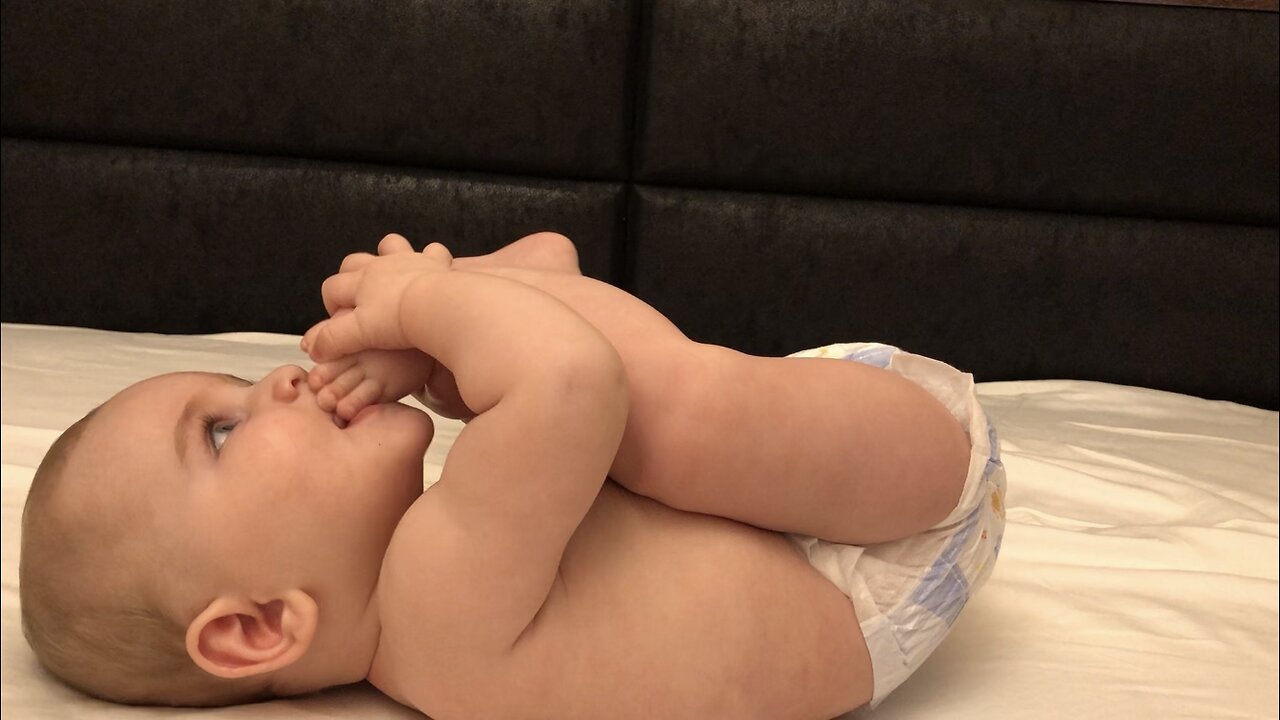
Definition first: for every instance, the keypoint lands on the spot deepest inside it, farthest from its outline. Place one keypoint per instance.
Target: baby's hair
(115, 645)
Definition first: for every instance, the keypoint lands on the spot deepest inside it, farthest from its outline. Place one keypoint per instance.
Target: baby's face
(254, 481)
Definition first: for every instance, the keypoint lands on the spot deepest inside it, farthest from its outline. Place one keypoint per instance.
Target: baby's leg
(653, 350)
(830, 448)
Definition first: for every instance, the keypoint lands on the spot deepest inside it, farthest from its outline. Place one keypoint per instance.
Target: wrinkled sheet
(1138, 576)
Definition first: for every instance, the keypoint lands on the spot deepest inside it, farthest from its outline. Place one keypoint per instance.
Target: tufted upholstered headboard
(1024, 188)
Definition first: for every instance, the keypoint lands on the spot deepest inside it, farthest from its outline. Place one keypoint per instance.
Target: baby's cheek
(315, 471)
(279, 463)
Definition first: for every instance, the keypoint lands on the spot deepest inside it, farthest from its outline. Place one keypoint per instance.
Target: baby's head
(201, 540)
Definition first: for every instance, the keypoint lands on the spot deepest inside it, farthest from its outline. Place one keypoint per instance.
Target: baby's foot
(548, 251)
(348, 385)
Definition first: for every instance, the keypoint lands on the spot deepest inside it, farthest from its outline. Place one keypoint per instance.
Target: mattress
(1138, 576)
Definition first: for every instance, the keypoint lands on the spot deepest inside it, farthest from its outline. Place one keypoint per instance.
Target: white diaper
(908, 592)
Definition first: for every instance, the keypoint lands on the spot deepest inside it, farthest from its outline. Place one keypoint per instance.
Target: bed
(1076, 201)
(1138, 576)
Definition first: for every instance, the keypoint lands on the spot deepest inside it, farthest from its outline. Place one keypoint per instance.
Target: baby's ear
(236, 637)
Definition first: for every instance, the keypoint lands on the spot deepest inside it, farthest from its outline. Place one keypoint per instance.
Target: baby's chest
(655, 613)
(656, 606)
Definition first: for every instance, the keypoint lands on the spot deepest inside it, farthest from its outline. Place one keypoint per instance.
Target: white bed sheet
(1138, 577)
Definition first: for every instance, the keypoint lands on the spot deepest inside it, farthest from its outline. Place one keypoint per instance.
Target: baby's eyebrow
(235, 379)
(180, 430)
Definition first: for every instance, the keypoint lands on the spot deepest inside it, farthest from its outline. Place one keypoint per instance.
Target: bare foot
(539, 251)
(347, 386)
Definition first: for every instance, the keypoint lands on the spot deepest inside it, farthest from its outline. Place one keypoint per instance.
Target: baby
(630, 525)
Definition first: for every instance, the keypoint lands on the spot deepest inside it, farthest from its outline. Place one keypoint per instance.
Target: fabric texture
(229, 242)
(538, 88)
(908, 593)
(1101, 176)
(1006, 295)
(1090, 107)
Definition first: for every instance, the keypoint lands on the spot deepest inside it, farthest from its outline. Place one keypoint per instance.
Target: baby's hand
(348, 385)
(372, 288)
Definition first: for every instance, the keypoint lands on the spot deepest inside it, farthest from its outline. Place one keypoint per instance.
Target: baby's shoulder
(412, 664)
(654, 594)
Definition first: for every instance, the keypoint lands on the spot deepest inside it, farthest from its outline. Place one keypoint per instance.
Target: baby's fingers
(334, 338)
(339, 291)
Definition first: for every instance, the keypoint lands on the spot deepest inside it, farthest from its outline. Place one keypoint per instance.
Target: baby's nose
(284, 382)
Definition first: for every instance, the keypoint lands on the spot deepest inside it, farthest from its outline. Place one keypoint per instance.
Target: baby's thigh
(815, 446)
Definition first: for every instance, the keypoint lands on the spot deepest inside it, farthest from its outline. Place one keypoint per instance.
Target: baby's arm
(348, 384)
(489, 537)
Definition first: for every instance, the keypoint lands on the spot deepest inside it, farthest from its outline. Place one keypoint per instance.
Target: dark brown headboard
(1026, 189)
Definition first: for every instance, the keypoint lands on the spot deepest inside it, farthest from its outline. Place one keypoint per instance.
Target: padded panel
(1075, 106)
(178, 242)
(1186, 307)
(521, 87)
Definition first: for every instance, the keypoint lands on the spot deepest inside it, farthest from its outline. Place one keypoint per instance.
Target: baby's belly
(660, 613)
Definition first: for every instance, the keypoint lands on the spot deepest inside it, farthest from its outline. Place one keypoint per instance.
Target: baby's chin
(410, 431)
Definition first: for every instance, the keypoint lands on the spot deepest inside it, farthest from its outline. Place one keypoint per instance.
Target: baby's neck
(338, 656)
(379, 673)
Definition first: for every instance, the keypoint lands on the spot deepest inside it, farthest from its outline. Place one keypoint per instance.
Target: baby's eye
(218, 430)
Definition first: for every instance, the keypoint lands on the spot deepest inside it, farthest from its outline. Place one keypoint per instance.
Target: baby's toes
(365, 394)
(333, 393)
(325, 373)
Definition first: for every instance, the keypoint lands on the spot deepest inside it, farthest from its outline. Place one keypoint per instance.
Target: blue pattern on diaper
(944, 590)
(993, 459)
(996, 478)
(876, 355)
